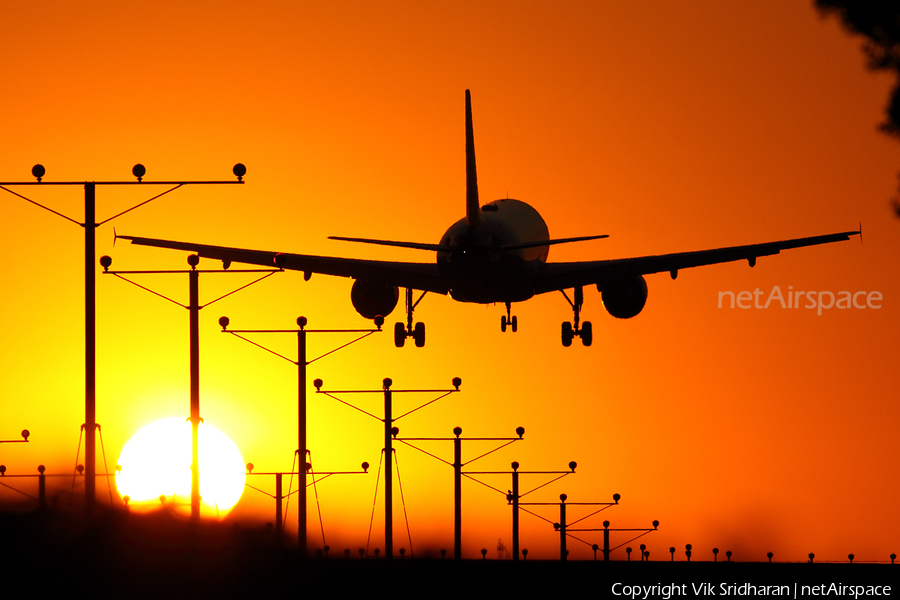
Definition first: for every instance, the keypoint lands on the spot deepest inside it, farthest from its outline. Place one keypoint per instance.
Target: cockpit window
(489, 208)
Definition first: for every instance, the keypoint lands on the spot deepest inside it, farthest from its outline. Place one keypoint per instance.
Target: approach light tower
(390, 433)
(301, 363)
(90, 225)
(193, 307)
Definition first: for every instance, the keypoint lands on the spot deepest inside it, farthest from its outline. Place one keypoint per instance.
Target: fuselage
(478, 270)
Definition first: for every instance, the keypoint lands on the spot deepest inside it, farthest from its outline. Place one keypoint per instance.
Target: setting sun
(157, 462)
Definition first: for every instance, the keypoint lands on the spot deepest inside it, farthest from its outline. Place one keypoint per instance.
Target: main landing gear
(508, 320)
(570, 330)
(417, 333)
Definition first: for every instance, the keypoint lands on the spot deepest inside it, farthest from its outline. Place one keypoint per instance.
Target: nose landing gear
(570, 330)
(402, 332)
(508, 320)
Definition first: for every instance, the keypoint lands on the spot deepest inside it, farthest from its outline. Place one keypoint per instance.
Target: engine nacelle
(624, 298)
(373, 299)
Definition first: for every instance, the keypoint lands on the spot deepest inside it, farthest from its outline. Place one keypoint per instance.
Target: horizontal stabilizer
(551, 242)
(413, 245)
(444, 248)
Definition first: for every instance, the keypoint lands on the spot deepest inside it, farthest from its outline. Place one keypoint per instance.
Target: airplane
(496, 253)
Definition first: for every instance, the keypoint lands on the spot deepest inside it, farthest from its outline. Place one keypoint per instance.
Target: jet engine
(624, 298)
(373, 299)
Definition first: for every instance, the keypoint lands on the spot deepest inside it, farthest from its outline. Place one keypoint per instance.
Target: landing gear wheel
(587, 333)
(399, 335)
(567, 334)
(508, 320)
(419, 335)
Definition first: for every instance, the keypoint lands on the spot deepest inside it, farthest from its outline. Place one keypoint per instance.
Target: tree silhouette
(879, 23)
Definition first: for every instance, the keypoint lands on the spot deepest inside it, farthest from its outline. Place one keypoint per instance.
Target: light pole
(642, 532)
(90, 225)
(42, 476)
(193, 307)
(301, 363)
(389, 433)
(564, 527)
(514, 496)
(279, 495)
(458, 473)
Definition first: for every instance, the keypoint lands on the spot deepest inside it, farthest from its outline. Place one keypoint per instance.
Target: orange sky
(668, 128)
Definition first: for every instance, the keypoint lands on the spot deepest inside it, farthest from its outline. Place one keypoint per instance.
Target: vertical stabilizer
(473, 209)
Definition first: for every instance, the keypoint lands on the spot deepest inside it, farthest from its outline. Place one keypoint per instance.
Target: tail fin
(473, 209)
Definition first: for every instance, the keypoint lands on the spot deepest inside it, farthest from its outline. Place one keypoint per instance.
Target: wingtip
(860, 232)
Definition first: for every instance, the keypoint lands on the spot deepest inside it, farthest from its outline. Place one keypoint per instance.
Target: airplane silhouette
(497, 253)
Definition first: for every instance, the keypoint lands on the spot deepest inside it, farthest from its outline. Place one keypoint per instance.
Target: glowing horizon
(670, 127)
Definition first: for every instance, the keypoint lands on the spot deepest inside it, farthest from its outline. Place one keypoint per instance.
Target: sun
(156, 463)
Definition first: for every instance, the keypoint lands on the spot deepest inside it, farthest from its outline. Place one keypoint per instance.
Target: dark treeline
(118, 554)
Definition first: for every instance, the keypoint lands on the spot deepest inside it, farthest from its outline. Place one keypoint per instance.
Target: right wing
(559, 276)
(419, 276)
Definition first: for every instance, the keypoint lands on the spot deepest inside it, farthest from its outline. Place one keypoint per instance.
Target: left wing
(419, 276)
(560, 276)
